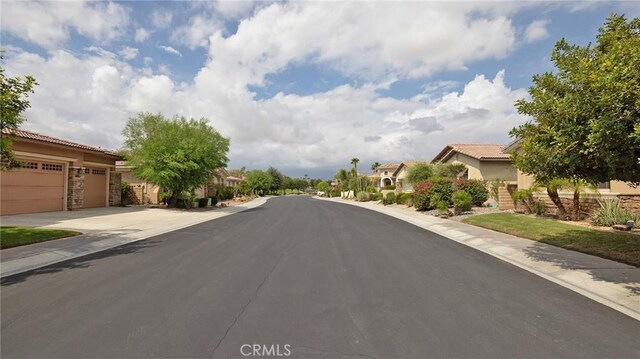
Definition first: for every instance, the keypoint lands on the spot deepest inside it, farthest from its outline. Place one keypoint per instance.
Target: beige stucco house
(57, 175)
(485, 162)
(402, 185)
(383, 175)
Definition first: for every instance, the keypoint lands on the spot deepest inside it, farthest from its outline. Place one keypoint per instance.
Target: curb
(57, 256)
(631, 312)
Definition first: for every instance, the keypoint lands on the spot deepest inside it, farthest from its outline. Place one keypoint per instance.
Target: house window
(98, 172)
(604, 185)
(87, 171)
(51, 167)
(386, 173)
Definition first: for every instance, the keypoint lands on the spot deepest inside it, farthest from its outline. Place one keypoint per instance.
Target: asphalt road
(318, 279)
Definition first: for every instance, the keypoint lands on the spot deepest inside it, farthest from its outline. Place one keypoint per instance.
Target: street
(323, 279)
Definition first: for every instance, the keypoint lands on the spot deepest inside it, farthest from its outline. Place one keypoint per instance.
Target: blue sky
(301, 86)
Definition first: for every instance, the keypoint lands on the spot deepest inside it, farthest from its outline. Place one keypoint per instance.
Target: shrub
(214, 200)
(525, 197)
(462, 201)
(390, 198)
(126, 193)
(391, 187)
(376, 196)
(202, 202)
(476, 188)
(539, 208)
(371, 189)
(610, 213)
(403, 198)
(421, 192)
(363, 197)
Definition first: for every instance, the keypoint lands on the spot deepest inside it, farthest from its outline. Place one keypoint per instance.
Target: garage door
(37, 187)
(95, 187)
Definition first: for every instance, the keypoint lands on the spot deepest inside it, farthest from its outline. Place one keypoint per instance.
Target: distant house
(486, 162)
(57, 175)
(400, 175)
(383, 175)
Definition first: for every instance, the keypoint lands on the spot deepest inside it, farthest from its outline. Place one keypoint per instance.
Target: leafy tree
(342, 177)
(177, 154)
(448, 170)
(258, 181)
(375, 166)
(324, 186)
(418, 172)
(277, 179)
(238, 172)
(586, 114)
(14, 93)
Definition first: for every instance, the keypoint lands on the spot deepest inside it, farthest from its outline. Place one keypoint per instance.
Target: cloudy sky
(303, 86)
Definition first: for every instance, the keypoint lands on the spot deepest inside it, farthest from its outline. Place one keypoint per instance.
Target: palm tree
(354, 162)
(375, 165)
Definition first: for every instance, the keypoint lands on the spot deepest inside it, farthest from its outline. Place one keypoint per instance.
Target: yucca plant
(610, 213)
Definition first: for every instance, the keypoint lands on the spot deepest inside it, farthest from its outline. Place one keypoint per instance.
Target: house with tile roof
(486, 162)
(57, 175)
(382, 176)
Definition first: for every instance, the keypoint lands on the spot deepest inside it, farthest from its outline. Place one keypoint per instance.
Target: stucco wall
(473, 165)
(623, 188)
(494, 170)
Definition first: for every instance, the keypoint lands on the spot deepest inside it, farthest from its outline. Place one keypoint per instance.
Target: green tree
(448, 170)
(277, 179)
(418, 172)
(177, 154)
(325, 187)
(259, 181)
(586, 113)
(14, 93)
(375, 166)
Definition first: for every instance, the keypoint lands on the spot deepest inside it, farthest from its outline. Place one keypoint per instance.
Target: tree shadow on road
(80, 262)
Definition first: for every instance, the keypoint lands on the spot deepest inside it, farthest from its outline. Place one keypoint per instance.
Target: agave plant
(610, 213)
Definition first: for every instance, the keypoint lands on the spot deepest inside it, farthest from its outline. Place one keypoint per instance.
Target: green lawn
(619, 246)
(19, 236)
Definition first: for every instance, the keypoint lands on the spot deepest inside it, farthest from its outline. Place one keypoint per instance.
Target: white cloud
(129, 53)
(142, 34)
(161, 18)
(197, 31)
(234, 8)
(88, 97)
(49, 24)
(375, 41)
(537, 30)
(170, 50)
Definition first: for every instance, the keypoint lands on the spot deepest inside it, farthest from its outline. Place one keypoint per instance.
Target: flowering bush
(424, 191)
(476, 188)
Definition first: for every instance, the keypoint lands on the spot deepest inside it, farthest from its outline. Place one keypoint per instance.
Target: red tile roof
(480, 151)
(42, 138)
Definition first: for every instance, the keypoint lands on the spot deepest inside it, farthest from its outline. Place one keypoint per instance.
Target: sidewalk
(102, 228)
(613, 284)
